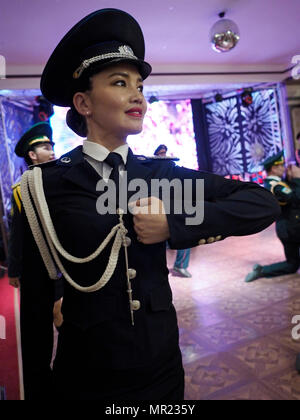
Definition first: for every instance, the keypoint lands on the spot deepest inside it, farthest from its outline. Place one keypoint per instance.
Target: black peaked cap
(58, 84)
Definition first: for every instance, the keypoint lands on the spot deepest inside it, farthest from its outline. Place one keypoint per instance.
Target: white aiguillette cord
(32, 186)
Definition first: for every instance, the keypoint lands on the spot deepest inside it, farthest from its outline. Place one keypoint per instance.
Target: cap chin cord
(124, 52)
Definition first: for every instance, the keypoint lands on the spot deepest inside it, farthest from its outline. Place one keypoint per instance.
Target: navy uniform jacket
(288, 196)
(231, 208)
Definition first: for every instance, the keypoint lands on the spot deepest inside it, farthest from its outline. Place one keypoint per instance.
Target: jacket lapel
(79, 171)
(136, 168)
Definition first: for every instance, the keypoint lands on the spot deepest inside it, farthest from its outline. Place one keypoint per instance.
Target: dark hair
(33, 149)
(76, 121)
(268, 170)
(27, 158)
(298, 135)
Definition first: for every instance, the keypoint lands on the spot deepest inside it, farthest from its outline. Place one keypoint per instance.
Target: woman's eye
(120, 83)
(141, 88)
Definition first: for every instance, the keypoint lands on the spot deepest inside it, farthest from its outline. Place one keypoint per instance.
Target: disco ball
(224, 35)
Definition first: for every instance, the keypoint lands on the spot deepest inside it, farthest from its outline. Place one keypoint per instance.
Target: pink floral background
(166, 122)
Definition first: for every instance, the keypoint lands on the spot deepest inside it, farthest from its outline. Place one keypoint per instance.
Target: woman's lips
(135, 112)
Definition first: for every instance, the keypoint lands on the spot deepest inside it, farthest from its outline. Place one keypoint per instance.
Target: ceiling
(176, 36)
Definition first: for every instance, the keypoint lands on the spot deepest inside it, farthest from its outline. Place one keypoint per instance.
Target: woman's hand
(150, 220)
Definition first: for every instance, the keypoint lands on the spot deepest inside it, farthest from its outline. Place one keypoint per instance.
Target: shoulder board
(18, 184)
(44, 165)
(142, 158)
(17, 195)
(166, 158)
(286, 189)
(147, 159)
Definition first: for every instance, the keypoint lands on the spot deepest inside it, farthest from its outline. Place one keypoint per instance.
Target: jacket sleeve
(230, 208)
(15, 243)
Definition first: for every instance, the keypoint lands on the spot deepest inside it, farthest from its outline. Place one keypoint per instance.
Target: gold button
(135, 305)
(131, 273)
(202, 242)
(218, 238)
(211, 240)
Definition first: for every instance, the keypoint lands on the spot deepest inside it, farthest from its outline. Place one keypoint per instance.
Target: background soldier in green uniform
(36, 147)
(287, 193)
(38, 292)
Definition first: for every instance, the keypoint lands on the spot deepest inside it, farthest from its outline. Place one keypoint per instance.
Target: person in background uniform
(37, 294)
(182, 255)
(161, 151)
(119, 339)
(287, 192)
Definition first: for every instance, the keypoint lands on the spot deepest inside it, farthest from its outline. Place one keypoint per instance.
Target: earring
(88, 112)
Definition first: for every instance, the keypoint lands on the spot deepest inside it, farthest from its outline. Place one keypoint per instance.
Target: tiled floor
(236, 338)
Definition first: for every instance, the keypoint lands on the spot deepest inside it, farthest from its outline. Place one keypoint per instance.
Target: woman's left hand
(150, 220)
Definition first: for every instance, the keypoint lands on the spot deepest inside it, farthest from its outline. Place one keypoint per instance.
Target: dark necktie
(114, 160)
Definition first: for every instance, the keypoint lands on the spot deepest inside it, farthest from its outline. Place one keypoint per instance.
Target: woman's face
(116, 102)
(278, 170)
(42, 153)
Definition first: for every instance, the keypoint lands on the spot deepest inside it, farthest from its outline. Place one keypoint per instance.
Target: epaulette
(17, 195)
(286, 189)
(147, 159)
(164, 158)
(44, 165)
(142, 158)
(17, 184)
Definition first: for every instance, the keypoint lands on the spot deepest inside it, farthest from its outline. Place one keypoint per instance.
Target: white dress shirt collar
(100, 153)
(276, 178)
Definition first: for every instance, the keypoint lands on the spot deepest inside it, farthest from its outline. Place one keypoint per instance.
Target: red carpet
(10, 388)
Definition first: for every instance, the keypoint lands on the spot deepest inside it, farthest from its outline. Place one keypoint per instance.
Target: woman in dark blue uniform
(119, 341)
